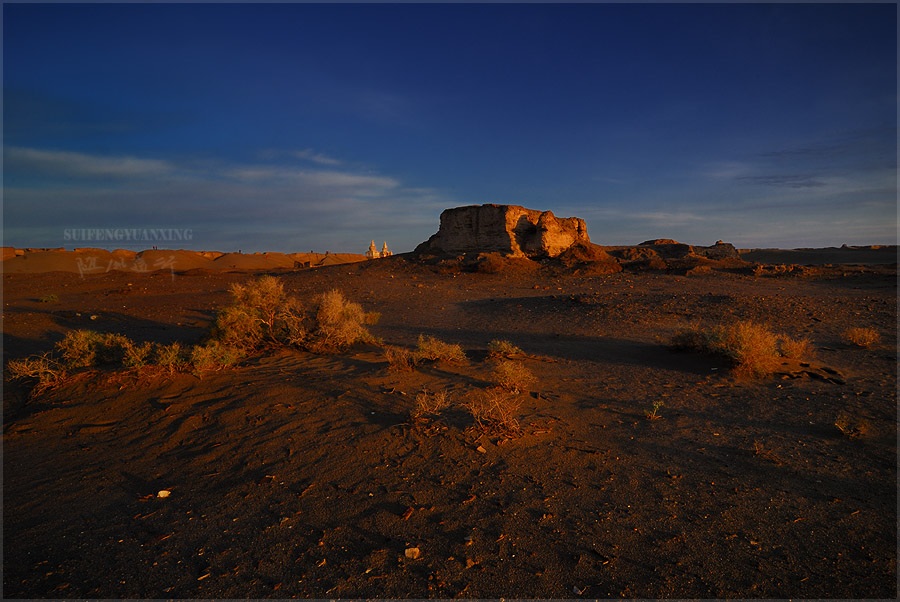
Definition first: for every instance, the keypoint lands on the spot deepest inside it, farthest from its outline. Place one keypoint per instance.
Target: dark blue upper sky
(295, 126)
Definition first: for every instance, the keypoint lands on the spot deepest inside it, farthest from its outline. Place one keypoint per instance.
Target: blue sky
(292, 127)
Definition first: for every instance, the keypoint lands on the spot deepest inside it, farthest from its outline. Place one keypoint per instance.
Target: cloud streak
(279, 206)
(82, 165)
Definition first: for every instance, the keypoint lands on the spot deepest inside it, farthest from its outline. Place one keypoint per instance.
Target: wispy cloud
(789, 180)
(278, 206)
(309, 154)
(81, 165)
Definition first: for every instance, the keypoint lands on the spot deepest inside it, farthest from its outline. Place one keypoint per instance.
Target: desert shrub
(430, 403)
(751, 348)
(214, 355)
(79, 348)
(512, 376)
(691, 338)
(252, 319)
(862, 337)
(112, 348)
(434, 350)
(338, 324)
(851, 427)
(51, 298)
(501, 348)
(237, 326)
(795, 348)
(400, 359)
(137, 356)
(44, 369)
(495, 410)
(171, 356)
(261, 314)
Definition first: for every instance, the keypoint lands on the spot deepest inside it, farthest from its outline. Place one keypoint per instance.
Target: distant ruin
(510, 230)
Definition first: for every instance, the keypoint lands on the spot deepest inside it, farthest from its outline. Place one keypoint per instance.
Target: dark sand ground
(303, 475)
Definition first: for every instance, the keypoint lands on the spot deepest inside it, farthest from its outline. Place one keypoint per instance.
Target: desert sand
(302, 475)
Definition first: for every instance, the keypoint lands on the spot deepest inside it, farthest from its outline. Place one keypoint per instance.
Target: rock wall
(511, 230)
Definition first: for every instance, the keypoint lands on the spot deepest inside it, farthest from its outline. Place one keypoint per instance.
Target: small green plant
(851, 427)
(430, 404)
(51, 298)
(653, 412)
(862, 337)
(432, 349)
(499, 348)
(46, 371)
(513, 376)
(495, 410)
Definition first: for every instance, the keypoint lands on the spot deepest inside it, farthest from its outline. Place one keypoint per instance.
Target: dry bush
(44, 369)
(795, 349)
(432, 349)
(339, 324)
(751, 348)
(851, 427)
(691, 338)
(501, 348)
(495, 410)
(252, 319)
(79, 348)
(862, 337)
(400, 359)
(173, 357)
(513, 376)
(87, 348)
(137, 356)
(214, 356)
(431, 403)
(263, 314)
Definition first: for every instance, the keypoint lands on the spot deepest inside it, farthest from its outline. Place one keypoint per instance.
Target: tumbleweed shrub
(499, 348)
(46, 371)
(435, 350)
(795, 349)
(400, 359)
(339, 324)
(254, 315)
(137, 355)
(214, 355)
(173, 357)
(431, 404)
(851, 427)
(495, 410)
(512, 375)
(87, 348)
(79, 348)
(752, 348)
(862, 337)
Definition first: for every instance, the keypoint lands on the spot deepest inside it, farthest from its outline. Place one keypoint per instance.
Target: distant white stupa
(374, 253)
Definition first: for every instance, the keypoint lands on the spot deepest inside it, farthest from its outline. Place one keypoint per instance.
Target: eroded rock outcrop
(510, 230)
